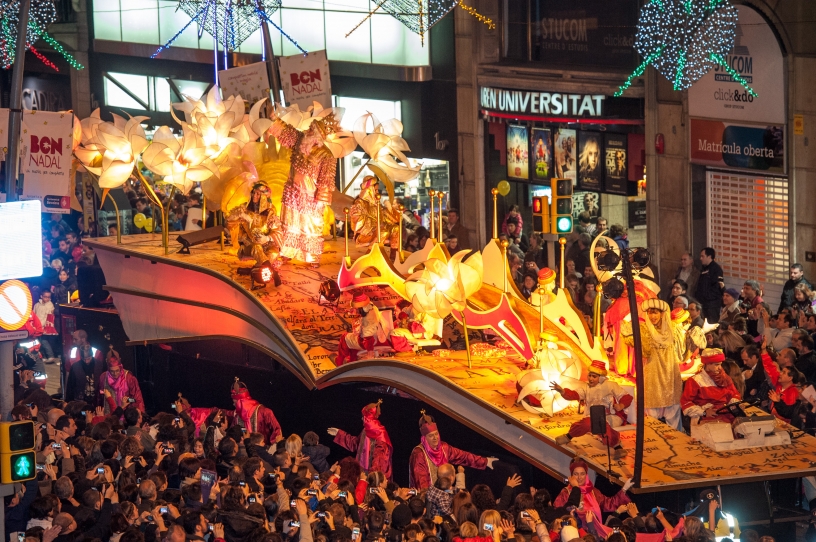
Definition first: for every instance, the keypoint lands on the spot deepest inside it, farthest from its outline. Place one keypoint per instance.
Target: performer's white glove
(629, 483)
(490, 461)
(694, 411)
(332, 431)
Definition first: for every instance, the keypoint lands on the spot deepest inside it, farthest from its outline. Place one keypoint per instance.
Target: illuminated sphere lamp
(640, 258)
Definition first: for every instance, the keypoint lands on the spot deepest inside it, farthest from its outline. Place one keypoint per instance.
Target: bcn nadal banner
(756, 56)
(46, 159)
(724, 144)
(305, 79)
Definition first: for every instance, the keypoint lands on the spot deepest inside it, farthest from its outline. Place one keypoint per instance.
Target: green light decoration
(56, 45)
(684, 39)
(22, 467)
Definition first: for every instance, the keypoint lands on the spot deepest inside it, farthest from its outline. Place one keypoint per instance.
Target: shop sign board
(542, 103)
(756, 56)
(46, 159)
(251, 82)
(742, 146)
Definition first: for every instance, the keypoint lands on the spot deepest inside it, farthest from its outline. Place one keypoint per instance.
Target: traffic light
(17, 460)
(561, 206)
(541, 214)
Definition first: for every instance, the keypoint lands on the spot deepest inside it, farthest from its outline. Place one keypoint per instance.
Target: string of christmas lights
(177, 34)
(678, 75)
(638, 72)
(486, 20)
(263, 15)
(42, 58)
(56, 45)
(733, 73)
(41, 12)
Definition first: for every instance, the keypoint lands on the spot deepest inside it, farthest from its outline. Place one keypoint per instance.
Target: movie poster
(518, 150)
(564, 150)
(542, 154)
(590, 169)
(586, 201)
(615, 167)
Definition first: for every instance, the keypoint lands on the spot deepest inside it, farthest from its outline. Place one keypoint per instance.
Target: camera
(251, 499)
(163, 509)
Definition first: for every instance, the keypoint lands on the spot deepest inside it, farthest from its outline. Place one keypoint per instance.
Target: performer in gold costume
(256, 227)
(363, 216)
(661, 365)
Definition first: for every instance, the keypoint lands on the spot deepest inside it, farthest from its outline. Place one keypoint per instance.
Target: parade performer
(370, 331)
(661, 366)
(709, 390)
(546, 280)
(252, 415)
(688, 341)
(363, 216)
(119, 386)
(256, 226)
(598, 390)
(622, 359)
(373, 446)
(311, 182)
(582, 494)
(433, 452)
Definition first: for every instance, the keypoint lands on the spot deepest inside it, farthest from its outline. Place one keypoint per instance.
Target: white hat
(569, 533)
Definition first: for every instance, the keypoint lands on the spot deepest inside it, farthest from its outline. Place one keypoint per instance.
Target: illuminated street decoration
(684, 39)
(41, 14)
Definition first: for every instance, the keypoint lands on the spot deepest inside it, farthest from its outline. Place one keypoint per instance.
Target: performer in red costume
(373, 446)
(369, 332)
(433, 452)
(581, 494)
(119, 386)
(709, 390)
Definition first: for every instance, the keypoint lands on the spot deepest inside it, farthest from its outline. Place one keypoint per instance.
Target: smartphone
(242, 483)
(342, 494)
(56, 446)
(565, 522)
(40, 466)
(273, 477)
(210, 527)
(355, 533)
(293, 503)
(311, 492)
(251, 499)
(176, 419)
(168, 450)
(131, 400)
(489, 526)
(84, 412)
(373, 490)
(39, 376)
(412, 492)
(294, 524)
(208, 480)
(321, 515)
(316, 477)
(21, 536)
(100, 470)
(138, 480)
(243, 430)
(151, 518)
(524, 515)
(173, 406)
(163, 509)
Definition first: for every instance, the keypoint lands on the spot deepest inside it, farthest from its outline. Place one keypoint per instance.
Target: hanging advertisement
(615, 164)
(518, 151)
(756, 56)
(542, 154)
(564, 154)
(590, 170)
(305, 79)
(251, 82)
(46, 159)
(754, 147)
(586, 201)
(4, 124)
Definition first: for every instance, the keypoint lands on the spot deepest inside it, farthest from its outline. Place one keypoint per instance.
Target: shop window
(748, 227)
(357, 107)
(145, 91)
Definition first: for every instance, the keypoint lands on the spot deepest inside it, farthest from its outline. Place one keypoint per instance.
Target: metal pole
(6, 379)
(16, 106)
(633, 310)
(271, 61)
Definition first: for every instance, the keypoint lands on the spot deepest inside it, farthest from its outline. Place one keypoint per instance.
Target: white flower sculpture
(385, 145)
(554, 365)
(443, 287)
(180, 162)
(119, 143)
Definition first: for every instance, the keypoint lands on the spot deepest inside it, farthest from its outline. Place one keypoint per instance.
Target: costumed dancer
(309, 188)
(370, 331)
(581, 493)
(256, 226)
(546, 279)
(622, 359)
(433, 452)
(252, 415)
(661, 366)
(709, 390)
(598, 390)
(688, 341)
(373, 446)
(363, 216)
(119, 387)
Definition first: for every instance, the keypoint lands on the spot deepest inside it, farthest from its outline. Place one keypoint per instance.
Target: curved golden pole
(504, 245)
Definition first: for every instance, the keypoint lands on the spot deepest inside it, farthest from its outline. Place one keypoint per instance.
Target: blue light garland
(266, 18)
(176, 36)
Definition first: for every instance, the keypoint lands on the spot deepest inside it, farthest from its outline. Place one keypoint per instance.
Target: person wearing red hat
(370, 331)
(709, 390)
(433, 452)
(118, 386)
(597, 390)
(582, 494)
(373, 446)
(252, 415)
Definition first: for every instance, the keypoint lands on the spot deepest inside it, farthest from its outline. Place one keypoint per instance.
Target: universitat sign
(542, 103)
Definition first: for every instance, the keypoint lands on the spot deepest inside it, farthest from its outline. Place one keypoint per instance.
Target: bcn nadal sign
(542, 103)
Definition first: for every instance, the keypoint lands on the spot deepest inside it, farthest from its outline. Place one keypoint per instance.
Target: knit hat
(426, 424)
(658, 304)
(372, 410)
(546, 276)
(578, 462)
(598, 367)
(400, 517)
(239, 390)
(733, 292)
(569, 533)
(712, 355)
(360, 300)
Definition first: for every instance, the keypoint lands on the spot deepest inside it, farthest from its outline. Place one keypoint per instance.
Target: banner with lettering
(305, 79)
(46, 159)
(251, 82)
(757, 147)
